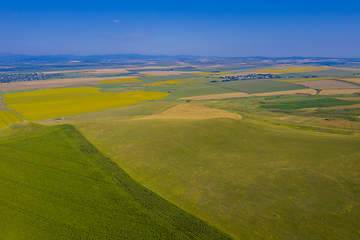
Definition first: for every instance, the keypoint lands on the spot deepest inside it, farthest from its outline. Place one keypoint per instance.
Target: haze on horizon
(209, 28)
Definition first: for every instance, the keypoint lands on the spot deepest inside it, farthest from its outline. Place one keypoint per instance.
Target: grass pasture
(349, 114)
(55, 185)
(250, 179)
(69, 101)
(192, 111)
(257, 86)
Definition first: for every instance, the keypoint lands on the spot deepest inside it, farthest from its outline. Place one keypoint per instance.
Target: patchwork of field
(69, 101)
(162, 73)
(120, 80)
(44, 84)
(250, 179)
(241, 94)
(95, 71)
(164, 82)
(55, 185)
(293, 70)
(192, 111)
(327, 84)
(9, 117)
(257, 159)
(257, 86)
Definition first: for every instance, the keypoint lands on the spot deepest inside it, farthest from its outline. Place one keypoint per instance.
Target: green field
(257, 86)
(84, 196)
(305, 102)
(249, 179)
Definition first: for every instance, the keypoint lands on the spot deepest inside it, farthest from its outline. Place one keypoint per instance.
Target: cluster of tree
(17, 77)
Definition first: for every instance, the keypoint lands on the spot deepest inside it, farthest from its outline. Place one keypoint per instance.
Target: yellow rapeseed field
(164, 82)
(8, 117)
(293, 70)
(60, 102)
(120, 80)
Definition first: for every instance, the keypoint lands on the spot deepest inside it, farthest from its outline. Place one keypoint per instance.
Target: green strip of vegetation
(306, 103)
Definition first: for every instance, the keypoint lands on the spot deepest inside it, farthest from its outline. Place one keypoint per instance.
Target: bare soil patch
(327, 84)
(192, 111)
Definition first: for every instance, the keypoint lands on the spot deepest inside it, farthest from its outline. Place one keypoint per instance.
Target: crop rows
(8, 117)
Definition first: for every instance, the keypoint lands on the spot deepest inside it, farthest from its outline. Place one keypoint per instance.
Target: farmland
(84, 196)
(293, 70)
(302, 102)
(8, 117)
(68, 101)
(146, 151)
(251, 180)
(121, 80)
(257, 86)
(328, 84)
(165, 82)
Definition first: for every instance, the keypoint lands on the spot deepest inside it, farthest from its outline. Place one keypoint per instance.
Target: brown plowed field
(327, 84)
(192, 111)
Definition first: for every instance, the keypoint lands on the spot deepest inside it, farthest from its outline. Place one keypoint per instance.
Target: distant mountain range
(111, 59)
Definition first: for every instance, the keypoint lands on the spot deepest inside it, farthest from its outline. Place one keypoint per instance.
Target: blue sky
(210, 28)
